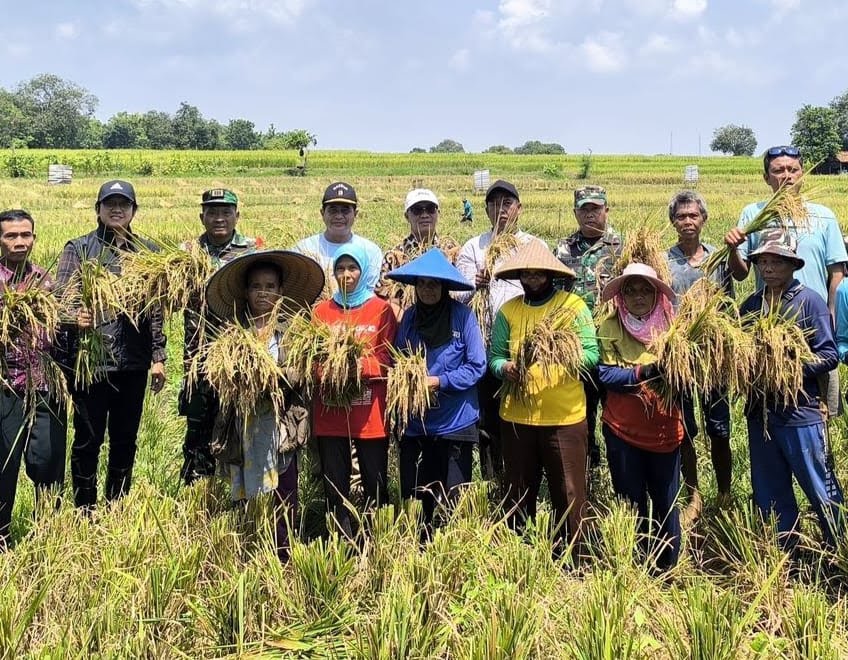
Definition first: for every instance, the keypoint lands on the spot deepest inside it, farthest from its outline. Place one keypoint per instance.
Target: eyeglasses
(784, 150)
(418, 209)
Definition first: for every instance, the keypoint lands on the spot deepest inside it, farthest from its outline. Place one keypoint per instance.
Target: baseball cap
(503, 186)
(339, 193)
(420, 195)
(590, 195)
(219, 196)
(116, 187)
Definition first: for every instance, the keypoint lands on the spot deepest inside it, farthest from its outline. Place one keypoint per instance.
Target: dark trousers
(285, 508)
(199, 408)
(715, 410)
(433, 468)
(115, 404)
(639, 475)
(40, 445)
(594, 396)
(335, 456)
(561, 452)
(491, 452)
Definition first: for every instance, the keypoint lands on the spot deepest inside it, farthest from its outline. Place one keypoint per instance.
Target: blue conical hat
(434, 264)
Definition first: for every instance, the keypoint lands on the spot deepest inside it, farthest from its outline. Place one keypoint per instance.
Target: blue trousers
(797, 451)
(639, 475)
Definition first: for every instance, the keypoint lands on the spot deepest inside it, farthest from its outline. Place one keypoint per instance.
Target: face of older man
(338, 219)
(783, 170)
(422, 218)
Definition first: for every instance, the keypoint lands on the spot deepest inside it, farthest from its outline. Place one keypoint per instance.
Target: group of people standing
(542, 422)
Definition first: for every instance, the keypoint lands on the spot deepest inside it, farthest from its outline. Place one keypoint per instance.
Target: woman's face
(533, 281)
(263, 291)
(428, 290)
(347, 274)
(639, 296)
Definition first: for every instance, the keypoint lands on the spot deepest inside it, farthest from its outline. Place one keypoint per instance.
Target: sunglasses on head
(792, 152)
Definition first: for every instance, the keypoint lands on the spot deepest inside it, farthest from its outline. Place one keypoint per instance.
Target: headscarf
(645, 329)
(360, 295)
(433, 322)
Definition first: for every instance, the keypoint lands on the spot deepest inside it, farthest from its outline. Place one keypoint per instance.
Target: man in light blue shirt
(338, 211)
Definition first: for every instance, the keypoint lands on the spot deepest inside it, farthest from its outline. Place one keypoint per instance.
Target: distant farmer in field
(467, 211)
(503, 207)
(35, 435)
(339, 211)
(590, 252)
(789, 440)
(421, 211)
(116, 399)
(819, 239)
(687, 212)
(219, 215)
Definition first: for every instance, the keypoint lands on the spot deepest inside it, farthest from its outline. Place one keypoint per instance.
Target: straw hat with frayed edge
(534, 255)
(636, 270)
(303, 281)
(435, 265)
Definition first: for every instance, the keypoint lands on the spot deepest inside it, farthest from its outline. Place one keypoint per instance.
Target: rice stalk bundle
(172, 277)
(408, 395)
(644, 246)
(326, 357)
(704, 349)
(95, 288)
(240, 369)
(781, 353)
(784, 208)
(554, 346)
(28, 316)
(482, 309)
(504, 241)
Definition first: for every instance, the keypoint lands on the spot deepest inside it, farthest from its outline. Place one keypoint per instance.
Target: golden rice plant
(173, 276)
(705, 348)
(408, 394)
(644, 246)
(784, 208)
(28, 315)
(553, 345)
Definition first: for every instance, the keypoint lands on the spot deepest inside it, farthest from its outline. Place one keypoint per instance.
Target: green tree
(418, 150)
(298, 138)
(159, 128)
(498, 149)
(192, 131)
(93, 135)
(241, 134)
(532, 147)
(57, 111)
(14, 125)
(816, 134)
(448, 147)
(735, 140)
(125, 131)
(840, 106)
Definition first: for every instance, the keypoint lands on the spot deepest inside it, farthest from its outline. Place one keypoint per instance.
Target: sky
(613, 76)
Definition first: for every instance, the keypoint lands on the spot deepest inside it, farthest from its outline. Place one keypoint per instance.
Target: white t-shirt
(323, 251)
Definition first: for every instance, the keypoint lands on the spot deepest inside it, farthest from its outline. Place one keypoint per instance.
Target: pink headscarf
(644, 330)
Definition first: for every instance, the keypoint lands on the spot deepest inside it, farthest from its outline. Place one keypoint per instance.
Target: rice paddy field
(175, 572)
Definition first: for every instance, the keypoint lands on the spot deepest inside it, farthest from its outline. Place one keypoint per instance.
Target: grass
(176, 572)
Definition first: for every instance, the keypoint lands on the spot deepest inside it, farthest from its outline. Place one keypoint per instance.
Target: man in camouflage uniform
(421, 211)
(219, 216)
(590, 252)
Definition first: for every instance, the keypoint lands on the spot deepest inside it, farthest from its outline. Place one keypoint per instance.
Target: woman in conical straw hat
(642, 437)
(543, 406)
(436, 450)
(259, 454)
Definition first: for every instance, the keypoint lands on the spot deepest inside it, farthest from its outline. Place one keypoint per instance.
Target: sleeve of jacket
(467, 266)
(821, 340)
(499, 347)
(473, 366)
(585, 327)
(157, 334)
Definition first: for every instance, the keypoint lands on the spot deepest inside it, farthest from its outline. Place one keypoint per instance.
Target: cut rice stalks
(95, 288)
(173, 277)
(705, 349)
(784, 209)
(326, 358)
(553, 346)
(408, 395)
(644, 246)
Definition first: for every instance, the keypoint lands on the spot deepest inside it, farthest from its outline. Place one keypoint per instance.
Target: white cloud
(460, 60)
(244, 11)
(67, 30)
(687, 9)
(522, 24)
(657, 44)
(604, 53)
(784, 6)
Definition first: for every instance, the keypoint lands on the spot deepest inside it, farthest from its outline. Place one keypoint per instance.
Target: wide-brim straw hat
(534, 255)
(636, 270)
(432, 264)
(303, 281)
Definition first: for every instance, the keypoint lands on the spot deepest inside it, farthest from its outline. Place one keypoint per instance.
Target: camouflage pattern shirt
(591, 261)
(406, 251)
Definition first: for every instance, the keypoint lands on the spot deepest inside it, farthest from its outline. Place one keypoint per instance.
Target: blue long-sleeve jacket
(459, 364)
(813, 317)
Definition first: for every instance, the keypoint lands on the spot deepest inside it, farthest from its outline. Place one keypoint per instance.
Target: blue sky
(614, 76)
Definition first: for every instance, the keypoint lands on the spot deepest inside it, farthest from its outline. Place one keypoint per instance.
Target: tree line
(48, 112)
(819, 132)
(531, 147)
